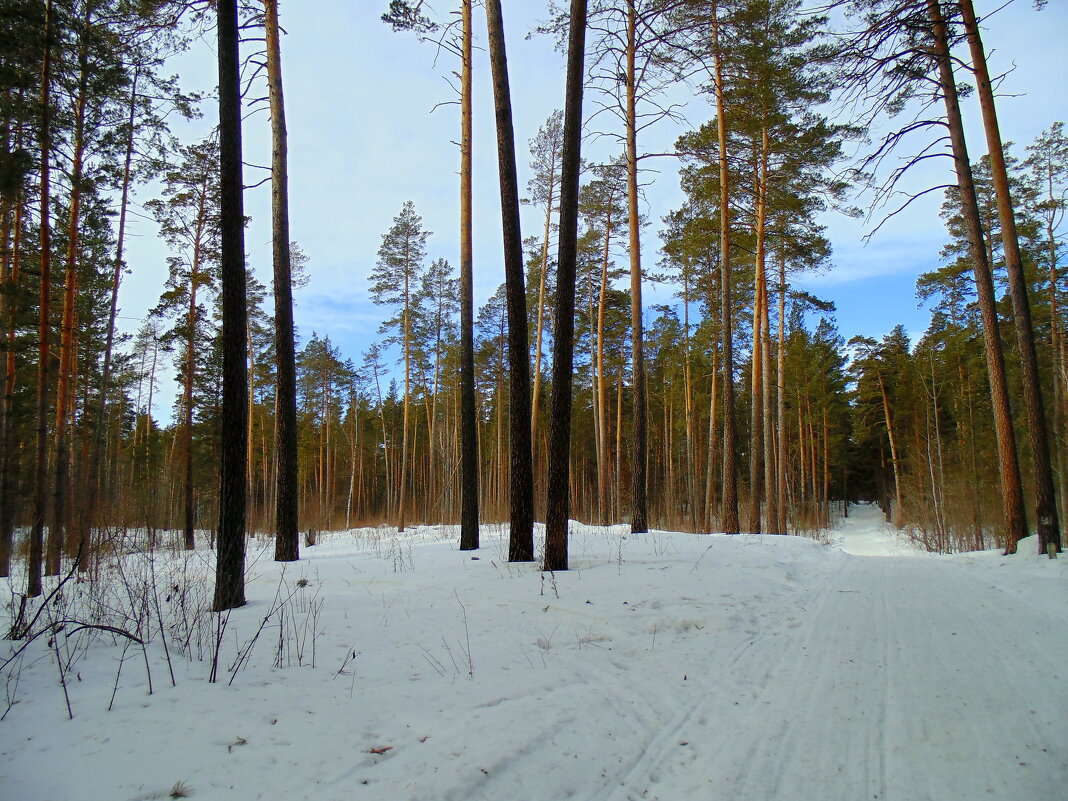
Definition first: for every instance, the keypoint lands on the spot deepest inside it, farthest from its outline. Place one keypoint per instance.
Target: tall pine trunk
(468, 431)
(756, 417)
(730, 468)
(521, 534)
(639, 413)
(94, 466)
(1049, 534)
(558, 501)
(40, 484)
(11, 277)
(1012, 492)
(230, 565)
(287, 546)
(64, 390)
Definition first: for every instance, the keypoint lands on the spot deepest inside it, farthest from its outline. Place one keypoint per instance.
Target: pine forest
(622, 332)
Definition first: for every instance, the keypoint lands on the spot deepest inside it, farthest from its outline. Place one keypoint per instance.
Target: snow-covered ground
(663, 666)
(866, 533)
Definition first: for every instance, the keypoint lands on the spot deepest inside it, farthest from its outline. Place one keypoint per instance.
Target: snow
(662, 666)
(866, 533)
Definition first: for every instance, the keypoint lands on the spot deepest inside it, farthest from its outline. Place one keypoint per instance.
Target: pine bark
(639, 413)
(62, 483)
(11, 277)
(469, 539)
(756, 416)
(1045, 495)
(230, 566)
(287, 540)
(730, 467)
(40, 484)
(521, 536)
(558, 501)
(1008, 465)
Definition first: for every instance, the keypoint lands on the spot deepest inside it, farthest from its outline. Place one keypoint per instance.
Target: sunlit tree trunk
(756, 416)
(1049, 534)
(729, 500)
(1012, 492)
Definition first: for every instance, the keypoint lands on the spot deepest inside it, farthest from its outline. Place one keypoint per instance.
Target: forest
(736, 407)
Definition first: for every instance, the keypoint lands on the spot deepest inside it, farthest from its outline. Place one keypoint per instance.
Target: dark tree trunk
(40, 488)
(12, 275)
(468, 431)
(1012, 493)
(558, 496)
(230, 568)
(1045, 496)
(639, 483)
(521, 537)
(286, 543)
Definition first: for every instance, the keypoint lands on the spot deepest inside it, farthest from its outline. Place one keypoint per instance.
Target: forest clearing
(661, 666)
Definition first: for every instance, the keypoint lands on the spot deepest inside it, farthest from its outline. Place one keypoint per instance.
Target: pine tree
(395, 282)
(521, 531)
(230, 564)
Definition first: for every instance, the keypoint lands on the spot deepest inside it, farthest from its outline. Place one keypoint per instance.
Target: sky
(371, 125)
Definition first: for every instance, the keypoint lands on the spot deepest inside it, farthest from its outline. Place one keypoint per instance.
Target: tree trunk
(521, 534)
(61, 488)
(287, 537)
(1045, 496)
(730, 468)
(11, 276)
(190, 367)
(1012, 492)
(780, 403)
(756, 414)
(92, 495)
(639, 433)
(899, 509)
(40, 489)
(603, 480)
(468, 431)
(230, 566)
(558, 496)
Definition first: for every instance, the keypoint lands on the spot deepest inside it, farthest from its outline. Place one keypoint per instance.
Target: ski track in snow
(665, 666)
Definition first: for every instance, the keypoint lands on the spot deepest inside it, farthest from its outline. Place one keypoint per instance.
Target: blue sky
(364, 136)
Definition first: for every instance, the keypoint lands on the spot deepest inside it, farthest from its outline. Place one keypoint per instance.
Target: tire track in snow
(907, 678)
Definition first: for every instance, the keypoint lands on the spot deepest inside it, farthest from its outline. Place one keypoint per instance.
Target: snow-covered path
(866, 533)
(902, 679)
